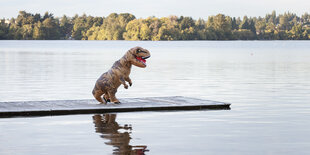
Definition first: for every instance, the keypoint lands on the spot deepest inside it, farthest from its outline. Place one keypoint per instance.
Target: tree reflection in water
(106, 125)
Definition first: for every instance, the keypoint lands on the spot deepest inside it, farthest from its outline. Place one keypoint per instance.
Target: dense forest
(125, 26)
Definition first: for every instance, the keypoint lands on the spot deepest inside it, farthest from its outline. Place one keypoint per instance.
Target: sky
(159, 8)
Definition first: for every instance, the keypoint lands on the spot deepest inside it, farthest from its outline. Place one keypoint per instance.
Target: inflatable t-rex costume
(109, 81)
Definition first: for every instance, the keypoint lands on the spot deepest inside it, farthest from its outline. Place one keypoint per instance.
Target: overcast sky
(159, 8)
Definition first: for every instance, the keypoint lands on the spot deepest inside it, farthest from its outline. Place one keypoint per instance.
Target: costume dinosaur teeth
(141, 59)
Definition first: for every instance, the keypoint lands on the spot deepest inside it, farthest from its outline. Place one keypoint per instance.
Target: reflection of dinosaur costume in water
(109, 81)
(107, 125)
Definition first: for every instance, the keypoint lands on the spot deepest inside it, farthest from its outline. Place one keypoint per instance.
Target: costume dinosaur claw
(117, 102)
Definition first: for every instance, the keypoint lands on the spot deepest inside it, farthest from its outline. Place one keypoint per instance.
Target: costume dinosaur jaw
(142, 59)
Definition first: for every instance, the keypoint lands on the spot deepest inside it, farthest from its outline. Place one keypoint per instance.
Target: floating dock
(66, 107)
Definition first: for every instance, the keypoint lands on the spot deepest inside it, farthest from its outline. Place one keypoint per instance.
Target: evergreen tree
(66, 27)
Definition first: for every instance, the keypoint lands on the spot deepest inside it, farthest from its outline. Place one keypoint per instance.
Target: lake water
(267, 82)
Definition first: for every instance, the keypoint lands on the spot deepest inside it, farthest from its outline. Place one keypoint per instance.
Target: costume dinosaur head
(138, 56)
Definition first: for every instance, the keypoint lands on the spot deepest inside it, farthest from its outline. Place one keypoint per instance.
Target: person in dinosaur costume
(108, 82)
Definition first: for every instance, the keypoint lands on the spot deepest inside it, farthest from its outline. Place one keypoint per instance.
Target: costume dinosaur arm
(122, 80)
(128, 80)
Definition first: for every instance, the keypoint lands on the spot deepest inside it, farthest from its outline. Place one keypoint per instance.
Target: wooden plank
(65, 107)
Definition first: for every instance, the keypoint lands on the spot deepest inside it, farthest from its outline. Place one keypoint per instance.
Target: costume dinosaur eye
(140, 51)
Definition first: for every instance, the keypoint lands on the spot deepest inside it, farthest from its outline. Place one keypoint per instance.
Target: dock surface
(66, 107)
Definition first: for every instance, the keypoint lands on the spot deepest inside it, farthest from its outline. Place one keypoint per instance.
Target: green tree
(271, 18)
(306, 34)
(4, 30)
(260, 27)
(93, 33)
(154, 26)
(27, 32)
(296, 32)
(79, 27)
(234, 24)
(169, 29)
(38, 31)
(200, 29)
(245, 23)
(137, 29)
(15, 32)
(66, 27)
(22, 18)
(221, 26)
(47, 15)
(187, 28)
(115, 25)
(284, 22)
(51, 29)
(133, 30)
(305, 18)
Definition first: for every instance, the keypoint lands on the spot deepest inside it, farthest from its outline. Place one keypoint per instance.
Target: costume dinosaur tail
(98, 96)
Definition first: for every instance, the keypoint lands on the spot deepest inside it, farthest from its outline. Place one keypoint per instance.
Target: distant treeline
(125, 26)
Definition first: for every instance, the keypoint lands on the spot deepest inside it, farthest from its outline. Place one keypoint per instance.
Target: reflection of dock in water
(107, 125)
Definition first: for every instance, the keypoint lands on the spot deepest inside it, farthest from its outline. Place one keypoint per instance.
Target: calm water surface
(267, 82)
